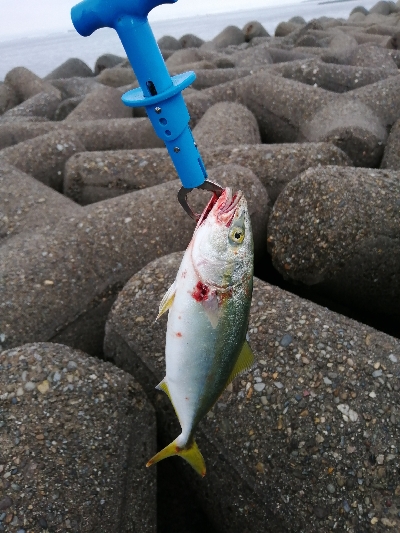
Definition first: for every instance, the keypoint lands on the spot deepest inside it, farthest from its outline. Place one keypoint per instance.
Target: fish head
(222, 252)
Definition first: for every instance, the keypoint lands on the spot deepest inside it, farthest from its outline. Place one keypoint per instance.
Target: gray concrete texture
(27, 205)
(391, 157)
(116, 76)
(75, 436)
(190, 41)
(107, 61)
(254, 29)
(337, 229)
(226, 123)
(68, 274)
(94, 176)
(8, 98)
(335, 78)
(290, 111)
(229, 35)
(26, 84)
(102, 134)
(44, 157)
(307, 439)
(75, 86)
(73, 67)
(37, 108)
(102, 103)
(210, 77)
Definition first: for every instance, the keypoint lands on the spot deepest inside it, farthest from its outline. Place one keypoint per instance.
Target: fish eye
(236, 235)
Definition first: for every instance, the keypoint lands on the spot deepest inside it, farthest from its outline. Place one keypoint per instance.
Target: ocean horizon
(43, 53)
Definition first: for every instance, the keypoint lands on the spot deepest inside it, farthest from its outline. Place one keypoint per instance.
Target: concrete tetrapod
(226, 123)
(60, 285)
(26, 84)
(26, 205)
(290, 111)
(337, 230)
(94, 176)
(44, 157)
(102, 102)
(315, 419)
(391, 157)
(40, 107)
(75, 461)
(336, 78)
(111, 134)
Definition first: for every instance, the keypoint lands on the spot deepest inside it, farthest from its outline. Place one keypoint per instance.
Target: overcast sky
(27, 17)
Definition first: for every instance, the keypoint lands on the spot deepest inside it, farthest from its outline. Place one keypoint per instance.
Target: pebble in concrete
(322, 418)
(75, 436)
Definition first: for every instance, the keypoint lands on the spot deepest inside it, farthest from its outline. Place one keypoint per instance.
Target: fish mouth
(223, 207)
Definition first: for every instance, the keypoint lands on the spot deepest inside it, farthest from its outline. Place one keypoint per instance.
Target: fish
(208, 312)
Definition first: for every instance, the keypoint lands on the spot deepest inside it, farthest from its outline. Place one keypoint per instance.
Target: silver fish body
(209, 305)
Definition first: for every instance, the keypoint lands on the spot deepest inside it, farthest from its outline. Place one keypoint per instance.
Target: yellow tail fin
(191, 454)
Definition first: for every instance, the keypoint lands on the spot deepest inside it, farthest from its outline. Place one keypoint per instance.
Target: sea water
(44, 53)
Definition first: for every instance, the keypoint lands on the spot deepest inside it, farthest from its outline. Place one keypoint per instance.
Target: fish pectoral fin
(244, 362)
(190, 453)
(167, 300)
(211, 309)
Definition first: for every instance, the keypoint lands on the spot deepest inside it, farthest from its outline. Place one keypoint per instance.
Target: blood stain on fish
(179, 334)
(200, 292)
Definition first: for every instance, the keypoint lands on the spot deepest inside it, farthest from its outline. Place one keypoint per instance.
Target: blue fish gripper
(160, 94)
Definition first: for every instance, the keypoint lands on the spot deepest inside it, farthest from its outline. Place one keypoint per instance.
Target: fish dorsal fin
(244, 362)
(167, 300)
(164, 387)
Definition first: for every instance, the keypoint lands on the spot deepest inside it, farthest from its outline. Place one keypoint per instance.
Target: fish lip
(207, 210)
(223, 207)
(227, 211)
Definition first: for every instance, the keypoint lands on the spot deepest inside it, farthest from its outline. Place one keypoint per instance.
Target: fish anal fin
(244, 362)
(164, 387)
(190, 453)
(167, 300)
